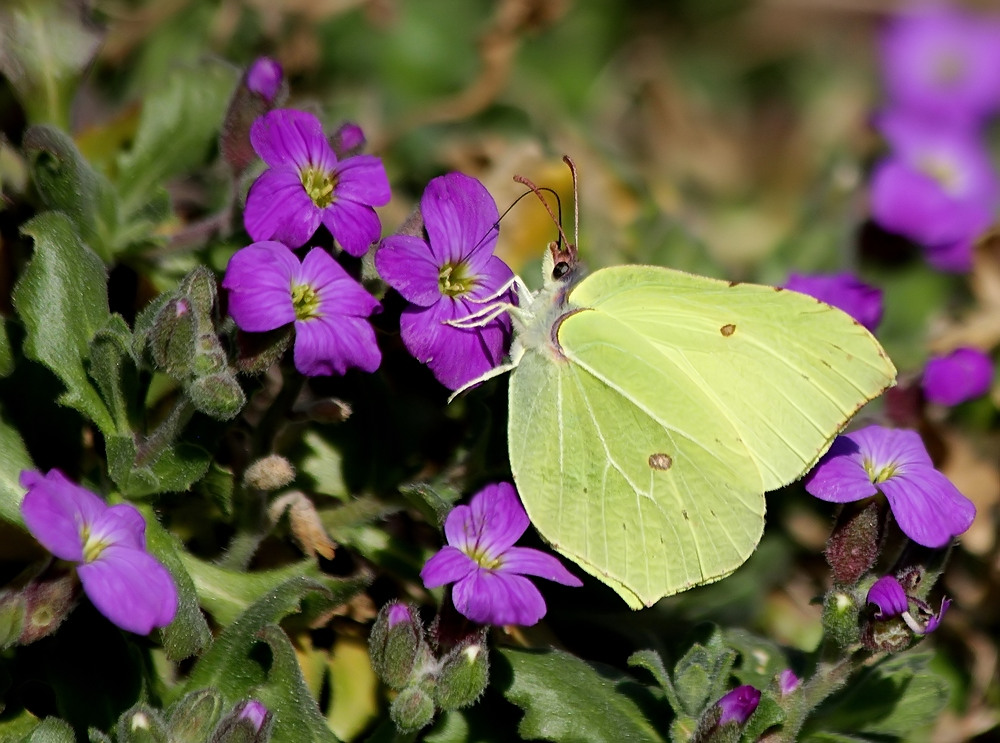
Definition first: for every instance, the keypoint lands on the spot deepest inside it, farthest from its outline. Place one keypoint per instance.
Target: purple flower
(927, 507)
(108, 543)
(264, 78)
(889, 599)
(942, 63)
(937, 188)
(399, 613)
(844, 291)
(961, 375)
(268, 288)
(305, 184)
(448, 276)
(487, 569)
(888, 596)
(739, 704)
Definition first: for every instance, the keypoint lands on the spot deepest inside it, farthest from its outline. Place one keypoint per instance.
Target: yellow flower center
(454, 279)
(942, 171)
(879, 475)
(319, 184)
(305, 301)
(92, 548)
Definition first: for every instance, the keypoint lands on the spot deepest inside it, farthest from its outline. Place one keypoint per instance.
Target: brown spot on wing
(660, 461)
(728, 329)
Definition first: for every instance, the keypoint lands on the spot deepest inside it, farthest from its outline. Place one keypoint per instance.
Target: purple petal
(254, 711)
(492, 275)
(293, 139)
(953, 257)
(131, 589)
(840, 476)
(405, 263)
(461, 219)
(259, 279)
(896, 447)
(122, 525)
(888, 595)
(933, 622)
(278, 208)
(362, 179)
(788, 681)
(739, 704)
(334, 344)
(264, 78)
(448, 565)
(496, 517)
(528, 561)
(399, 613)
(488, 597)
(454, 355)
(964, 374)
(844, 291)
(56, 511)
(339, 293)
(910, 203)
(354, 226)
(927, 507)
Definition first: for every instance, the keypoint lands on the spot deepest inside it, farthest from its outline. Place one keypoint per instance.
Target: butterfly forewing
(785, 369)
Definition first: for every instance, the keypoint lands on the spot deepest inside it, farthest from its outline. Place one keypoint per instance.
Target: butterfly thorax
(536, 325)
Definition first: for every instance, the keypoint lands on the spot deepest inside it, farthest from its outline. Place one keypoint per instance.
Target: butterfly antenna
(576, 199)
(555, 220)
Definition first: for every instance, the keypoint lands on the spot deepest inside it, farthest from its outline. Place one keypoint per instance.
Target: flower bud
(248, 722)
(217, 395)
(840, 617)
(172, 337)
(855, 543)
(788, 682)
(465, 671)
(194, 716)
(46, 604)
(141, 724)
(348, 140)
(396, 644)
(723, 721)
(269, 473)
(264, 77)
(413, 707)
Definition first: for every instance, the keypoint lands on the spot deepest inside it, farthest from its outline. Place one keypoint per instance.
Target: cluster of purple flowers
(444, 267)
(937, 186)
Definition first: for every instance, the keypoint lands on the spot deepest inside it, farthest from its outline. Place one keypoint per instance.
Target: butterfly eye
(560, 269)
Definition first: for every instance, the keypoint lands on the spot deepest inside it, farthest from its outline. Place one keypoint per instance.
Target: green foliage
(893, 698)
(233, 666)
(62, 299)
(566, 699)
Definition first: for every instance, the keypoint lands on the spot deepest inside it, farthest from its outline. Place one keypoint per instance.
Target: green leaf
(702, 674)
(175, 470)
(62, 299)
(566, 699)
(13, 458)
(67, 183)
(297, 718)
(51, 730)
(44, 46)
(17, 726)
(178, 127)
(110, 361)
(652, 662)
(896, 697)
(6, 352)
(226, 594)
(188, 634)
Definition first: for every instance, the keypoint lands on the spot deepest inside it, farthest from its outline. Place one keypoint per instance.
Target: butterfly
(651, 409)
